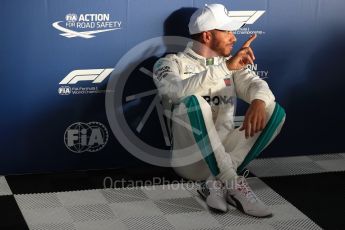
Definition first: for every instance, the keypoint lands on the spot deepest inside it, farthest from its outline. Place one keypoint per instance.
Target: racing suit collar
(201, 59)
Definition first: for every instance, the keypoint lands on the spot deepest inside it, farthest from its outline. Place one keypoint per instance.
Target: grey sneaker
(241, 196)
(214, 192)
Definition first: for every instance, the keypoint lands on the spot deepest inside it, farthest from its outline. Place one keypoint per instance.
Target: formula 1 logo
(248, 17)
(81, 137)
(94, 75)
(95, 23)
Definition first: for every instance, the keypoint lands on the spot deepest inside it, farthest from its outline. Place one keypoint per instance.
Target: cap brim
(231, 25)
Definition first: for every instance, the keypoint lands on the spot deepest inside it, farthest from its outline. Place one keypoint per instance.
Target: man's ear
(206, 37)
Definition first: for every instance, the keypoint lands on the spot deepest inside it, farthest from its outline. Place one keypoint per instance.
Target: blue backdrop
(299, 52)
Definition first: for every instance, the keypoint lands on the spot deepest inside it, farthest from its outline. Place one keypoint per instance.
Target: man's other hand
(255, 118)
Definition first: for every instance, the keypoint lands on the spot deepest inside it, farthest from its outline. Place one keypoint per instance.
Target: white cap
(210, 17)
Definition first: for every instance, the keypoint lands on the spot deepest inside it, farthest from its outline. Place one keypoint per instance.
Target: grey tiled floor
(175, 206)
(153, 207)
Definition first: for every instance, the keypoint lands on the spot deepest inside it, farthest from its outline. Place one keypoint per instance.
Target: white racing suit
(199, 97)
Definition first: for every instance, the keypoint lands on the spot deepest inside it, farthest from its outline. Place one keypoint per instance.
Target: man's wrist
(229, 65)
(258, 102)
(232, 67)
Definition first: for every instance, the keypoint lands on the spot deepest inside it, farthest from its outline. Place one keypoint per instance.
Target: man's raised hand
(243, 57)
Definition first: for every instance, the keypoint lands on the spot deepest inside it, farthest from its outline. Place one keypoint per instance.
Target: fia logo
(81, 137)
(64, 90)
(71, 17)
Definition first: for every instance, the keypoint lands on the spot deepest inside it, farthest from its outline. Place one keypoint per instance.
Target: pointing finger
(249, 41)
(250, 53)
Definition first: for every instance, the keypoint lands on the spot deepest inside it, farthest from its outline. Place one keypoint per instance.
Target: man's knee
(275, 109)
(275, 112)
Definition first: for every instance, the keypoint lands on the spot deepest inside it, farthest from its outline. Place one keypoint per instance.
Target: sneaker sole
(240, 207)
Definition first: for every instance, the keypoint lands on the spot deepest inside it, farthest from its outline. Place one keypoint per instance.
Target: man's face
(222, 42)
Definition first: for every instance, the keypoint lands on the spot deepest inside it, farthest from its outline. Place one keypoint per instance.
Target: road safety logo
(86, 25)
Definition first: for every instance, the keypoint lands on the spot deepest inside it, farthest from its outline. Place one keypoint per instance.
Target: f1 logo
(94, 75)
(248, 17)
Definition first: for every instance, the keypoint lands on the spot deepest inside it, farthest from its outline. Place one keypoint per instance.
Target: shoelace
(242, 185)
